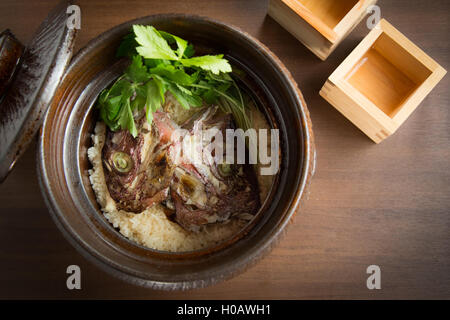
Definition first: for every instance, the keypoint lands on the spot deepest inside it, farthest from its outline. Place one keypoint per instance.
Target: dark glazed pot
(64, 165)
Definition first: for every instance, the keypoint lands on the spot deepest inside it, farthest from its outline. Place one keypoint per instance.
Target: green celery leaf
(153, 101)
(104, 116)
(102, 98)
(155, 68)
(136, 71)
(190, 51)
(222, 77)
(151, 63)
(181, 43)
(117, 87)
(183, 89)
(224, 87)
(109, 103)
(184, 99)
(113, 107)
(161, 84)
(139, 101)
(127, 47)
(210, 96)
(171, 73)
(152, 44)
(215, 64)
(126, 120)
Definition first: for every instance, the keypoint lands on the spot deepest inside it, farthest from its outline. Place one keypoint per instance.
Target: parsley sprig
(162, 62)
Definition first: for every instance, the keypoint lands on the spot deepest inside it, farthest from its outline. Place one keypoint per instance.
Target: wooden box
(382, 82)
(319, 24)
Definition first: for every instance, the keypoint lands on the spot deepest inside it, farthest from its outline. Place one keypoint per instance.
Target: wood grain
(382, 82)
(321, 25)
(386, 204)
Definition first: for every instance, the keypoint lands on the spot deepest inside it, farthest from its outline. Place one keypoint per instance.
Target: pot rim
(307, 170)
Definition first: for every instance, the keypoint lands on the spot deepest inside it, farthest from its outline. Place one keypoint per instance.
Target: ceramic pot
(69, 123)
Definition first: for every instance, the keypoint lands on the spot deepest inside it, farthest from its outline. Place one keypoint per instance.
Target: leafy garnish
(215, 64)
(127, 47)
(181, 43)
(136, 72)
(162, 62)
(152, 44)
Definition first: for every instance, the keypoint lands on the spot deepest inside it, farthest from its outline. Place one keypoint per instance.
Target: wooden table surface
(386, 204)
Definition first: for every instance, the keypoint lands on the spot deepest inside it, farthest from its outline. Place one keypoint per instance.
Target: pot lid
(29, 77)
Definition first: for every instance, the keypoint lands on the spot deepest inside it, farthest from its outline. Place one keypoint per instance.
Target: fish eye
(122, 162)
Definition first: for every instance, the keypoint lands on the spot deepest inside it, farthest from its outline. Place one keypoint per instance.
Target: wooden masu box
(319, 24)
(382, 82)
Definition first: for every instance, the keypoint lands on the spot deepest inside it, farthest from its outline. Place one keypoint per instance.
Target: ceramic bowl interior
(64, 165)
